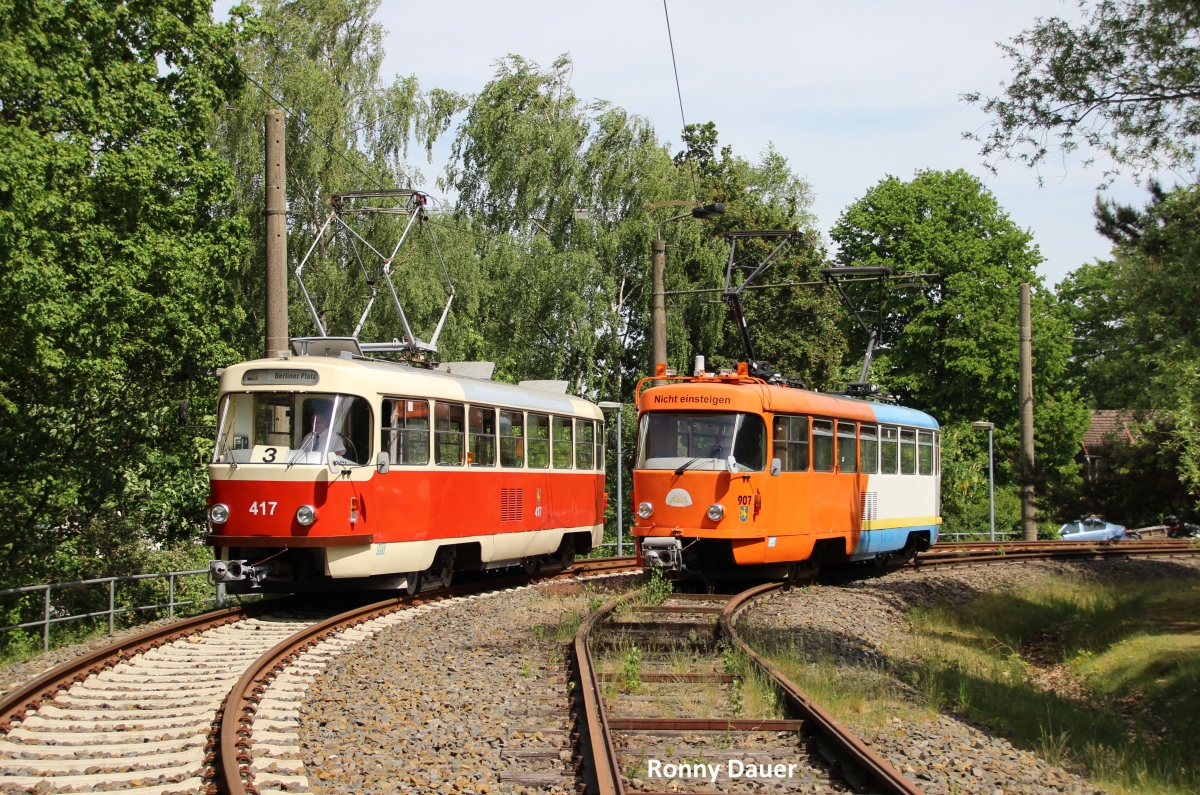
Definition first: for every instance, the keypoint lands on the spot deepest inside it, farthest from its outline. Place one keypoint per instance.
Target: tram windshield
(293, 428)
(701, 441)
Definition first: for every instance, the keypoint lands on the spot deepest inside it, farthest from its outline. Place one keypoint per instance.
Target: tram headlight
(645, 510)
(218, 514)
(716, 512)
(306, 515)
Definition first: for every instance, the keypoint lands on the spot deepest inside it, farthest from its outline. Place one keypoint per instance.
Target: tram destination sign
(274, 377)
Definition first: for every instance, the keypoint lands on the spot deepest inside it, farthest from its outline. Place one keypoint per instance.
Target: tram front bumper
(220, 571)
(663, 552)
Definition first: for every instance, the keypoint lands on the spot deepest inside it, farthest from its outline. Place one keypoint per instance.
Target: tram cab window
(585, 444)
(561, 441)
(889, 451)
(481, 428)
(512, 439)
(701, 441)
(925, 452)
(868, 449)
(293, 428)
(790, 444)
(908, 451)
(539, 441)
(406, 431)
(937, 453)
(601, 444)
(448, 447)
(822, 445)
(847, 448)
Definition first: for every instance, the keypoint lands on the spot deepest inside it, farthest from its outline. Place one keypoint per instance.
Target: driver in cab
(320, 435)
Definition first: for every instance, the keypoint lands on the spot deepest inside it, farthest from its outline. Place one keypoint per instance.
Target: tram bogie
(737, 477)
(335, 473)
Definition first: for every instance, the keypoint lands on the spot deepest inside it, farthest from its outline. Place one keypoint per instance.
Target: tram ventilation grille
(870, 506)
(512, 504)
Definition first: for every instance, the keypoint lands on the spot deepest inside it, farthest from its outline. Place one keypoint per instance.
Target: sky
(849, 92)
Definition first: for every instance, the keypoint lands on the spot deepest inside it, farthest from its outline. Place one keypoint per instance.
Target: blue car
(1091, 528)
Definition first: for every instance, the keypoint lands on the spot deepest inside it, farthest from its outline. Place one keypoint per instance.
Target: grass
(1134, 647)
(861, 697)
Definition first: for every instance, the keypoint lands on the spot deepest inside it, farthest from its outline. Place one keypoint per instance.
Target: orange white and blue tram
(354, 472)
(737, 476)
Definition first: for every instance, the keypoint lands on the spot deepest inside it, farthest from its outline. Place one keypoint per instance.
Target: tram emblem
(743, 512)
(538, 510)
(679, 498)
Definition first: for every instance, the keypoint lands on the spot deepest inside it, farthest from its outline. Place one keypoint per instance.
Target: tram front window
(701, 441)
(293, 428)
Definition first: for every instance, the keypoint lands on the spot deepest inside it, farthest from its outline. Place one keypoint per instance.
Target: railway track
(681, 725)
(211, 703)
(203, 704)
(623, 743)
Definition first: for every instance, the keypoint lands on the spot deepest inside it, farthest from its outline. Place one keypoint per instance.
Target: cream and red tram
(335, 472)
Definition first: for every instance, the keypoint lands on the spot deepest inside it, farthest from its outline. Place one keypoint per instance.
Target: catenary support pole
(658, 303)
(620, 490)
(991, 489)
(276, 211)
(1025, 390)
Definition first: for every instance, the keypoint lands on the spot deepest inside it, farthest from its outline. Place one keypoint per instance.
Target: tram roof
(716, 395)
(369, 377)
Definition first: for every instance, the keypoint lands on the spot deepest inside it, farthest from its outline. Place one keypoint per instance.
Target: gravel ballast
(864, 624)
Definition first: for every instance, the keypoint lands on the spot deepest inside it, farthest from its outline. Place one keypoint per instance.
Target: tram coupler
(236, 571)
(662, 553)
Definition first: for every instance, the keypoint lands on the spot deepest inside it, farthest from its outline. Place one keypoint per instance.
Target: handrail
(48, 619)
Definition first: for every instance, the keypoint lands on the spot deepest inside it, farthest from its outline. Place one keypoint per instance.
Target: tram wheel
(413, 584)
(531, 565)
(443, 566)
(566, 552)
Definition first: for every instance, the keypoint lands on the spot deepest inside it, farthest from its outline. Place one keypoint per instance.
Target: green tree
(951, 348)
(347, 128)
(1139, 335)
(115, 233)
(1125, 81)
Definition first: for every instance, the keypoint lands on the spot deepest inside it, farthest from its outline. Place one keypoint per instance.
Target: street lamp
(608, 405)
(658, 264)
(988, 426)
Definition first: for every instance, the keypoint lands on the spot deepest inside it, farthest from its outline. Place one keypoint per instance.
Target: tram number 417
(263, 508)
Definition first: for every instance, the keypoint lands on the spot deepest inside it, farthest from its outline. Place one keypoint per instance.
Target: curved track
(860, 768)
(147, 713)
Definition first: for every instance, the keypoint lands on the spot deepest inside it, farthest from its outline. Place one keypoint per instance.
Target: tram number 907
(745, 499)
(263, 508)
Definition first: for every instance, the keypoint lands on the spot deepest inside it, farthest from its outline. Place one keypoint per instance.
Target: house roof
(1109, 426)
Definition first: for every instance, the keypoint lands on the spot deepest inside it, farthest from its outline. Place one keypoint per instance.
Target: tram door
(848, 499)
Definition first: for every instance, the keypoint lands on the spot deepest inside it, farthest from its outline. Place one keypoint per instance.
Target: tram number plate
(263, 508)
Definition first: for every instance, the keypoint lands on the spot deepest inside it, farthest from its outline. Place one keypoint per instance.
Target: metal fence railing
(48, 617)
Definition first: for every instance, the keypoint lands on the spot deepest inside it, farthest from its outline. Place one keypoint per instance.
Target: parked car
(1091, 528)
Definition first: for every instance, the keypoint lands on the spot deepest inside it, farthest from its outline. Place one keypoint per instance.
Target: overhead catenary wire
(679, 95)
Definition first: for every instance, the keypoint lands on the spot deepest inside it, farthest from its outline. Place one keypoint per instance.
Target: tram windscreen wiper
(716, 448)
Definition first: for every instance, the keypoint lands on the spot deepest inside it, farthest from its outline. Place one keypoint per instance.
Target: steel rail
(890, 779)
(235, 754)
(29, 696)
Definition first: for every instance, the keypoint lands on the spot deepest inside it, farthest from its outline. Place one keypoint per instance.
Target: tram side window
(822, 445)
(601, 444)
(908, 451)
(847, 447)
(481, 431)
(406, 431)
(512, 439)
(925, 452)
(539, 441)
(585, 444)
(937, 453)
(791, 443)
(448, 434)
(868, 449)
(560, 429)
(889, 451)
